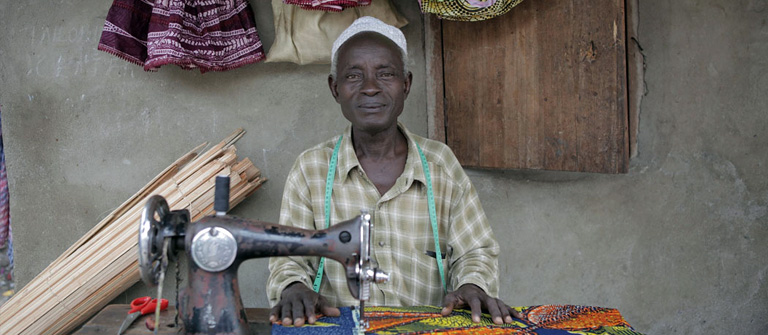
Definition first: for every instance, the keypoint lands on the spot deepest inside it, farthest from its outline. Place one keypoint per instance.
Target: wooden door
(542, 87)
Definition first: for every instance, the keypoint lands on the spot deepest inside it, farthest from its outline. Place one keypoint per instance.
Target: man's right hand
(299, 303)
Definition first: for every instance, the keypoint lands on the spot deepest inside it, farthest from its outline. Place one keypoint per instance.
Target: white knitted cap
(368, 23)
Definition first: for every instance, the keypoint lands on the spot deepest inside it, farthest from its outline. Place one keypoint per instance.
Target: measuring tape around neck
(328, 191)
(430, 199)
(433, 218)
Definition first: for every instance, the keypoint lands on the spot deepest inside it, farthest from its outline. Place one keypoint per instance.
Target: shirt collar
(347, 159)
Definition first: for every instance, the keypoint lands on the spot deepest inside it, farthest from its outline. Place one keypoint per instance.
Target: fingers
(286, 314)
(517, 314)
(309, 310)
(493, 309)
(293, 313)
(449, 302)
(478, 302)
(506, 311)
(447, 309)
(324, 307)
(476, 307)
(274, 314)
(330, 311)
(298, 306)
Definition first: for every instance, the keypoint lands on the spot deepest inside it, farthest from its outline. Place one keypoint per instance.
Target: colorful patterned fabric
(467, 10)
(540, 320)
(212, 35)
(328, 5)
(344, 324)
(403, 243)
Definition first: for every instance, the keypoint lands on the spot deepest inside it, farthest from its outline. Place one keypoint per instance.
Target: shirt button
(381, 243)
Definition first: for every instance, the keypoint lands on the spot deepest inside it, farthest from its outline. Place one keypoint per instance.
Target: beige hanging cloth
(306, 36)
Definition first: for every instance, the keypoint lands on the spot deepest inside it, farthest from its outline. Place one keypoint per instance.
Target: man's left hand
(478, 301)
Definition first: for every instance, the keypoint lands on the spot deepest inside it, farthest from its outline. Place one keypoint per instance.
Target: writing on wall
(68, 52)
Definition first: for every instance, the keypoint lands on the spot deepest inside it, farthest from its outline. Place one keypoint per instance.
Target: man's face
(370, 84)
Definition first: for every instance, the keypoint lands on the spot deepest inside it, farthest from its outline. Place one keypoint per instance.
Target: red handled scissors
(139, 307)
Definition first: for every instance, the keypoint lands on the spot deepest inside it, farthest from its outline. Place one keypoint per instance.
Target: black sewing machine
(218, 244)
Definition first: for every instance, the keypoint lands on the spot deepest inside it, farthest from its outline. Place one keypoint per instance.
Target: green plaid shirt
(402, 235)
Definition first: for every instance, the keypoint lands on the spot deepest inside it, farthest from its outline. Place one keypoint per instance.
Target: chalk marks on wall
(65, 52)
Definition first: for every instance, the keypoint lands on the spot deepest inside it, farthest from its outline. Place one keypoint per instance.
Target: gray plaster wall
(678, 244)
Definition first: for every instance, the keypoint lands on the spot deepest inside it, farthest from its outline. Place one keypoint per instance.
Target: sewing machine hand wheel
(157, 224)
(150, 252)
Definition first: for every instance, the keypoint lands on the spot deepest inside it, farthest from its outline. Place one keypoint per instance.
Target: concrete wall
(678, 244)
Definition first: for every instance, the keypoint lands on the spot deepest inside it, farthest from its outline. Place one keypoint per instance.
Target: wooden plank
(542, 87)
(108, 321)
(433, 49)
(635, 75)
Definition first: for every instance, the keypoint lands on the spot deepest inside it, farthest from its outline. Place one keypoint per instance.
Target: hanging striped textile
(209, 35)
(5, 216)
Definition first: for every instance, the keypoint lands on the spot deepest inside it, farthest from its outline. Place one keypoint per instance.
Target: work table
(109, 320)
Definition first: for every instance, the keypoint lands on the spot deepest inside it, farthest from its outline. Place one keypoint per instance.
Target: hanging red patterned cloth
(6, 238)
(211, 35)
(5, 217)
(327, 5)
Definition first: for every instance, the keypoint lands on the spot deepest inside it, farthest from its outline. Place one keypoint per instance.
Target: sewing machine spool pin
(217, 245)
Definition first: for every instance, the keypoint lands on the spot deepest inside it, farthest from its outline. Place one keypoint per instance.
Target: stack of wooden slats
(104, 262)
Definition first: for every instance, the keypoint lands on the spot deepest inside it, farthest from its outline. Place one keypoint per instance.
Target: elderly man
(378, 165)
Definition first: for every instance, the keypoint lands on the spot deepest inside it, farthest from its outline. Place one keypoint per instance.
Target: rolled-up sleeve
(475, 253)
(295, 211)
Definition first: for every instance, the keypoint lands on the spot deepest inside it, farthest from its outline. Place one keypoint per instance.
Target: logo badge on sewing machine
(214, 249)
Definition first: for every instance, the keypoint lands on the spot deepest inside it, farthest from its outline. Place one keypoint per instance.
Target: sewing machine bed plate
(110, 318)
